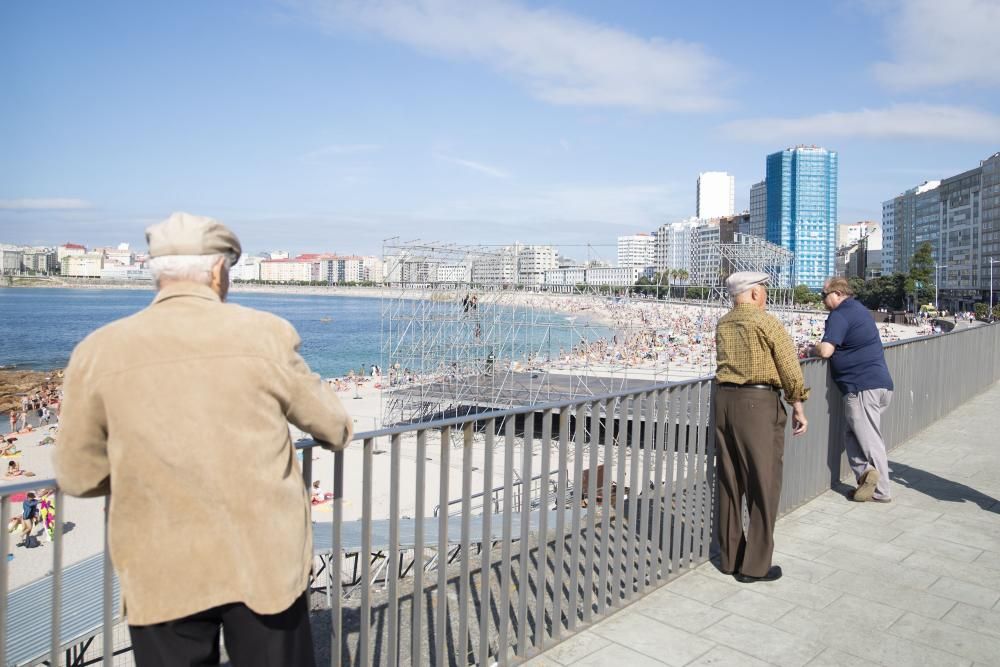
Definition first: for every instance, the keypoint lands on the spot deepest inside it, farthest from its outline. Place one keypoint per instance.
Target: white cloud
(900, 121)
(562, 59)
(482, 168)
(44, 204)
(937, 43)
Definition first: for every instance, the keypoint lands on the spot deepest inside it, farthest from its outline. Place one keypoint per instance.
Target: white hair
(189, 268)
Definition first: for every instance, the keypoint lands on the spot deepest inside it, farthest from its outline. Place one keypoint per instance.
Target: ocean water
(40, 327)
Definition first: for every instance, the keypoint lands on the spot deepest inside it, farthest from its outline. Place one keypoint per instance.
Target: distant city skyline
(329, 125)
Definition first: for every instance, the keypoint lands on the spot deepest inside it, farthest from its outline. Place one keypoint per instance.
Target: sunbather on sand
(14, 470)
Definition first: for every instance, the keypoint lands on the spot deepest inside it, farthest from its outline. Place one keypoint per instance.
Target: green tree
(921, 278)
(802, 294)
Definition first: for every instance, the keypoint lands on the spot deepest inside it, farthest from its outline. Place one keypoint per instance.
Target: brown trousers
(750, 441)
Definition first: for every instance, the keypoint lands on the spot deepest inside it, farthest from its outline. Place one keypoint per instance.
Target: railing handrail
(11, 489)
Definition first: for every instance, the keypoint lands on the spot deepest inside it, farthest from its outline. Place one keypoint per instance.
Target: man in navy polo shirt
(852, 344)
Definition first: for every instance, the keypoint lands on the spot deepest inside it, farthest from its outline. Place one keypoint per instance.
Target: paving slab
(983, 620)
(654, 639)
(723, 656)
(964, 642)
(763, 641)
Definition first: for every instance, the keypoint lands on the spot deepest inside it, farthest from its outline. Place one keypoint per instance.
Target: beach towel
(47, 513)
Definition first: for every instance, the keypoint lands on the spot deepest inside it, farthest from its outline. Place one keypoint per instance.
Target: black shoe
(772, 575)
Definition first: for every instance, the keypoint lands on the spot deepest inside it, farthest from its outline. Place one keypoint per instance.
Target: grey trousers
(863, 435)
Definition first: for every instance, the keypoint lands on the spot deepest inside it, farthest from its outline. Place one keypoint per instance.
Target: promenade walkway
(914, 582)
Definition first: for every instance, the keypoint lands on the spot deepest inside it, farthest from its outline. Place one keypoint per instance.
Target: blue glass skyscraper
(802, 210)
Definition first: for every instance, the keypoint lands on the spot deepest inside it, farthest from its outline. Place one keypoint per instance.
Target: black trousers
(252, 639)
(750, 441)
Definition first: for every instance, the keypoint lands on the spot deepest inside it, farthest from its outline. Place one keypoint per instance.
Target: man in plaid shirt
(756, 360)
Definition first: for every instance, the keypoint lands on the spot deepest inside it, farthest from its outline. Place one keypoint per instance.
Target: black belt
(748, 386)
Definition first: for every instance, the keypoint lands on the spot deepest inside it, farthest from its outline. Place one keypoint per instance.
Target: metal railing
(570, 563)
(558, 568)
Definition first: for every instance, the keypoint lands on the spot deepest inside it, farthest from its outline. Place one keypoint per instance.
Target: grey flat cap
(740, 282)
(186, 234)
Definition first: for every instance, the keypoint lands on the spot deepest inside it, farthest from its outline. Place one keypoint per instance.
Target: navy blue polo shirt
(858, 362)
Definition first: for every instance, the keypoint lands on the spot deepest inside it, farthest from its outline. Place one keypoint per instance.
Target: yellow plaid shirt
(753, 347)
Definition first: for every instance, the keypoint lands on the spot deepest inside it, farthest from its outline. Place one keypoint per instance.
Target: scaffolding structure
(459, 335)
(751, 253)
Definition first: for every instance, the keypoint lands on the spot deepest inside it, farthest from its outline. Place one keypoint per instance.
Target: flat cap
(186, 234)
(741, 281)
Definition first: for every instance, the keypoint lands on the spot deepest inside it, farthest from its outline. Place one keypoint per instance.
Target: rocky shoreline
(16, 383)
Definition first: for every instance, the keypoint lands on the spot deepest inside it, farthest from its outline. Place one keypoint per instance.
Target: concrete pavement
(912, 582)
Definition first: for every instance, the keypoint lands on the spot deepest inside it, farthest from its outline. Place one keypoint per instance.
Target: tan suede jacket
(181, 412)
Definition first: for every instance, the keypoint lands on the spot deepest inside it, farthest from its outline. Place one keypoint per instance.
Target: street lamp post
(989, 314)
(937, 304)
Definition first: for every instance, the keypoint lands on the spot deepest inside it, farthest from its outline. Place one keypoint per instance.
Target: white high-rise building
(673, 245)
(497, 269)
(850, 233)
(532, 263)
(637, 250)
(247, 268)
(705, 258)
(716, 194)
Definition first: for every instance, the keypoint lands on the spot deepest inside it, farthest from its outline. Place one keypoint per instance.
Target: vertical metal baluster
(486, 546)
(577, 501)
(392, 573)
(336, 562)
(524, 550)
(708, 448)
(692, 460)
(465, 582)
(660, 439)
(107, 599)
(418, 552)
(365, 556)
(557, 575)
(4, 546)
(503, 648)
(635, 492)
(440, 630)
(618, 587)
(697, 478)
(610, 412)
(588, 568)
(307, 467)
(541, 571)
(642, 516)
(678, 406)
(683, 401)
(57, 576)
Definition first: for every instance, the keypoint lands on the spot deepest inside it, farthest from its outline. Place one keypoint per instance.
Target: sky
(331, 125)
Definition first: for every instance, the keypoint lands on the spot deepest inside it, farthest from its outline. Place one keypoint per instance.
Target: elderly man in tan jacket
(180, 412)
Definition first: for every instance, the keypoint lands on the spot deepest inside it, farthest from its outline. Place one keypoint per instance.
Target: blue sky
(329, 125)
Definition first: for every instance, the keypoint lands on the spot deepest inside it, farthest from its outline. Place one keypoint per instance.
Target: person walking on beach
(857, 361)
(756, 359)
(186, 405)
